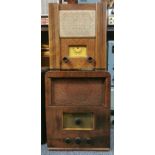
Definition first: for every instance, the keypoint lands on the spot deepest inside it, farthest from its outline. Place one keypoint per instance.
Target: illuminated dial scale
(78, 52)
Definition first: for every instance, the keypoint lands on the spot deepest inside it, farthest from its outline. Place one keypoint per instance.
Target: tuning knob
(90, 59)
(88, 140)
(65, 59)
(67, 140)
(78, 121)
(77, 140)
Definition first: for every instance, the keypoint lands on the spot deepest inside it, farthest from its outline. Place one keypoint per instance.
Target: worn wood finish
(78, 7)
(75, 92)
(100, 52)
(78, 88)
(78, 74)
(78, 92)
(77, 63)
(104, 36)
(75, 87)
(100, 136)
(72, 1)
(44, 61)
(58, 45)
(54, 40)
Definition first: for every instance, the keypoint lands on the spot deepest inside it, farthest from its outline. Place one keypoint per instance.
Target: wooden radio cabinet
(78, 110)
(77, 36)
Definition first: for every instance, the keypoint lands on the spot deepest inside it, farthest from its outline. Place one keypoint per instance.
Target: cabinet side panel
(101, 25)
(54, 39)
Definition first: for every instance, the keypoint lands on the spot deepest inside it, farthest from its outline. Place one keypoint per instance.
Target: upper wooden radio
(77, 36)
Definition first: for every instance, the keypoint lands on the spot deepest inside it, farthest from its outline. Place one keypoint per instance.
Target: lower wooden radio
(78, 110)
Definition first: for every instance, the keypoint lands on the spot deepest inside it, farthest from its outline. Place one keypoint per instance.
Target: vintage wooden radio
(77, 36)
(78, 110)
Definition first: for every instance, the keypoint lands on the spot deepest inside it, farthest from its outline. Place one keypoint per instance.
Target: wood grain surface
(77, 92)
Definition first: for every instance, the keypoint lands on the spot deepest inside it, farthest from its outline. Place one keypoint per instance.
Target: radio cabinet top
(77, 36)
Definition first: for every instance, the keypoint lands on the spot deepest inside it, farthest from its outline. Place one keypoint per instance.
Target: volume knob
(88, 141)
(67, 140)
(65, 60)
(90, 59)
(77, 121)
(77, 140)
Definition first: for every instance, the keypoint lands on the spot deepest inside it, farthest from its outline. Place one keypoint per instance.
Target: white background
(20, 78)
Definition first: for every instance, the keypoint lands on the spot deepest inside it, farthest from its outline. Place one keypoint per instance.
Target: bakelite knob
(67, 140)
(77, 121)
(77, 140)
(65, 59)
(88, 140)
(90, 59)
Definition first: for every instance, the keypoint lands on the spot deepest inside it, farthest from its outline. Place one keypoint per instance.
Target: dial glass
(78, 121)
(77, 51)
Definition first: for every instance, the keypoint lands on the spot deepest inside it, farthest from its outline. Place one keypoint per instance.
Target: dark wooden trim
(78, 74)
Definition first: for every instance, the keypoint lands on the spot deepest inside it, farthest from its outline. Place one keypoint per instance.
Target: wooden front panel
(80, 62)
(78, 88)
(78, 121)
(100, 135)
(78, 91)
(99, 142)
(93, 31)
(101, 32)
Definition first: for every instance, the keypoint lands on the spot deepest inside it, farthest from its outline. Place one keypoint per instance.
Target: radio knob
(67, 140)
(77, 140)
(90, 59)
(88, 140)
(77, 121)
(65, 59)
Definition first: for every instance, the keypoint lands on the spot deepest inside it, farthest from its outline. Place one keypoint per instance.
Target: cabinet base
(78, 149)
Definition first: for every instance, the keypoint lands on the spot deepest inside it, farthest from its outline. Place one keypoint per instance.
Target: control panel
(78, 140)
